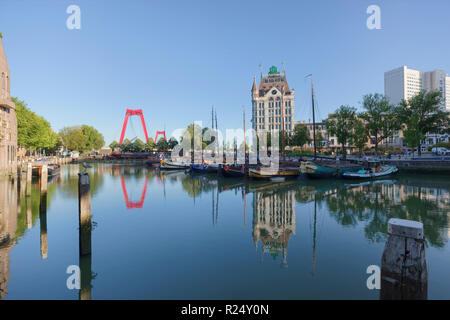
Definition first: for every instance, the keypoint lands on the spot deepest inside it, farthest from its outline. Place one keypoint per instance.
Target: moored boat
(152, 162)
(269, 173)
(232, 171)
(205, 167)
(327, 169)
(173, 165)
(372, 169)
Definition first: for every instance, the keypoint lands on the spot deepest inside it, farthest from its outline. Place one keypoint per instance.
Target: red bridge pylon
(133, 113)
(160, 133)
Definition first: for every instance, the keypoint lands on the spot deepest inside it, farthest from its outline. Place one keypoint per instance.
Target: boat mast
(245, 151)
(314, 118)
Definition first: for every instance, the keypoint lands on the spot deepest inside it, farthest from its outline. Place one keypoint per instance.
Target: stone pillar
(404, 274)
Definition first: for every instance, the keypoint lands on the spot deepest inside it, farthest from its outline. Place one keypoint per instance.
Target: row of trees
(379, 120)
(137, 145)
(81, 138)
(35, 133)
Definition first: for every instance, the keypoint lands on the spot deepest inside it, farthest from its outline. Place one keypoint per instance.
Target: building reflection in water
(274, 221)
(8, 227)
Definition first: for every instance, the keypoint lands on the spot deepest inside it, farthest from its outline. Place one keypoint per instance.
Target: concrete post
(84, 213)
(404, 274)
(29, 175)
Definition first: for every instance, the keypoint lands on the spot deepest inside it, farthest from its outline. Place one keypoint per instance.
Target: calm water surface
(175, 236)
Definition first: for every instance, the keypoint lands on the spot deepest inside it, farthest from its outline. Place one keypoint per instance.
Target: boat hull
(315, 170)
(270, 174)
(168, 165)
(386, 171)
(233, 172)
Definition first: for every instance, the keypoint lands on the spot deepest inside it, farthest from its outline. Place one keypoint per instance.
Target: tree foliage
(300, 136)
(33, 131)
(360, 135)
(341, 125)
(422, 114)
(380, 118)
(162, 145)
(81, 138)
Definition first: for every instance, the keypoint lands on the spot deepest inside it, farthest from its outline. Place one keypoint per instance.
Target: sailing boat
(317, 169)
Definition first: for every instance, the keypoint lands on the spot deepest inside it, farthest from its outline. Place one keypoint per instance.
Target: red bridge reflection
(133, 204)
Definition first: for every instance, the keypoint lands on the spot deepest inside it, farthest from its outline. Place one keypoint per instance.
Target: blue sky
(175, 59)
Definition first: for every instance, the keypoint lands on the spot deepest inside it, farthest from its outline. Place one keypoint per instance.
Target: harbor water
(174, 235)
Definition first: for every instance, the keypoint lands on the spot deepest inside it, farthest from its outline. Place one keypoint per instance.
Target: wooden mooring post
(29, 175)
(43, 211)
(85, 231)
(404, 274)
(84, 213)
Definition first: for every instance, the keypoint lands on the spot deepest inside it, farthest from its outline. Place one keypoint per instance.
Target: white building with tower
(272, 100)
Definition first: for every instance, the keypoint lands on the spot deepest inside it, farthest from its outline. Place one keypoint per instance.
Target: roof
(273, 80)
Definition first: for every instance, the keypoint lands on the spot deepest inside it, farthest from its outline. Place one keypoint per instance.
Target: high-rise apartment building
(404, 83)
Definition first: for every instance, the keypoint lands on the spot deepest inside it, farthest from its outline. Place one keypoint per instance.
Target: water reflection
(276, 212)
(274, 221)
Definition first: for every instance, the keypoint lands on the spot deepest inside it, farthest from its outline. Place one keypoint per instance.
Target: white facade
(403, 83)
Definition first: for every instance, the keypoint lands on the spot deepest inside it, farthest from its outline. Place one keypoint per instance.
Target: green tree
(33, 131)
(360, 135)
(172, 142)
(138, 145)
(94, 138)
(300, 136)
(380, 118)
(74, 139)
(341, 125)
(423, 113)
(162, 145)
(412, 134)
(114, 145)
(150, 145)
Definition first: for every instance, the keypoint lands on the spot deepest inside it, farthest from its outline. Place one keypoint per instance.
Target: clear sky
(175, 59)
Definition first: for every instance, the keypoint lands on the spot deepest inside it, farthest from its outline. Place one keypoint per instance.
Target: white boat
(173, 165)
(373, 169)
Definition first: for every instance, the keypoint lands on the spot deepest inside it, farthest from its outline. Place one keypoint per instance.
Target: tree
(412, 134)
(300, 136)
(380, 118)
(150, 145)
(81, 138)
(33, 131)
(360, 135)
(114, 145)
(73, 138)
(424, 113)
(341, 124)
(94, 138)
(162, 145)
(172, 142)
